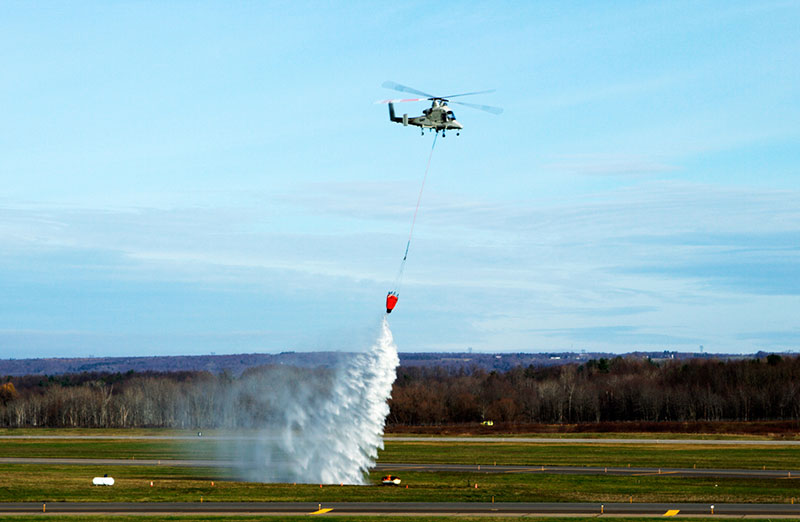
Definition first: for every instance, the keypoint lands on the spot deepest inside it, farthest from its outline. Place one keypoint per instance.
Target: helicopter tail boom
(392, 117)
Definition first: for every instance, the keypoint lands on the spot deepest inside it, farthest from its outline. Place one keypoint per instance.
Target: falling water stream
(324, 430)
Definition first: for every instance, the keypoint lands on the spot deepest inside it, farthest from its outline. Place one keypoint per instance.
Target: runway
(405, 508)
(456, 440)
(448, 468)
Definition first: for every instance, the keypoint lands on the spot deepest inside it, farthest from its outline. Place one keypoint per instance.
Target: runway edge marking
(321, 511)
(672, 512)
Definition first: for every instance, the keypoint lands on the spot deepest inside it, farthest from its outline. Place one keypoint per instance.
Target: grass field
(484, 432)
(109, 449)
(117, 432)
(607, 435)
(485, 453)
(49, 483)
(611, 455)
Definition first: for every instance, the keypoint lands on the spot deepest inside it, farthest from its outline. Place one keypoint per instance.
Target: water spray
(321, 430)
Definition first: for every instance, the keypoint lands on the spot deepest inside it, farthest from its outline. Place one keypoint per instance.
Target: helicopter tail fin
(392, 117)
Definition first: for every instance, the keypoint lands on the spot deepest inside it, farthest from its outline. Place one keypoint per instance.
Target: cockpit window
(451, 115)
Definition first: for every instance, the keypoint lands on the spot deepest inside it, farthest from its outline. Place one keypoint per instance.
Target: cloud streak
(631, 253)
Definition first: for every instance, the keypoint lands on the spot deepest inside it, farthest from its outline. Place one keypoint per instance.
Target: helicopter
(439, 116)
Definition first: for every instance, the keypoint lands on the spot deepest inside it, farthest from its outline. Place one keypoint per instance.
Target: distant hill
(236, 364)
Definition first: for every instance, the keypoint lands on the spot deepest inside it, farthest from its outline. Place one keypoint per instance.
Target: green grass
(138, 432)
(486, 453)
(121, 432)
(108, 449)
(46, 483)
(611, 455)
(49, 483)
(608, 435)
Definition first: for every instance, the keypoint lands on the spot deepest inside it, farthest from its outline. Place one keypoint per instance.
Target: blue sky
(195, 177)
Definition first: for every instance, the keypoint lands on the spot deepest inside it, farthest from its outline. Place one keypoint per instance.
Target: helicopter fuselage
(438, 117)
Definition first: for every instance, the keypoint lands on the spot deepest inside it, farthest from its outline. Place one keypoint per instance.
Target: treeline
(619, 389)
(605, 390)
(159, 400)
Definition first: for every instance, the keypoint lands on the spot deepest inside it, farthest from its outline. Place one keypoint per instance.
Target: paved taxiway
(405, 508)
(451, 468)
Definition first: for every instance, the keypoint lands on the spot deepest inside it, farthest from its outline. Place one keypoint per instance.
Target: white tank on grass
(103, 481)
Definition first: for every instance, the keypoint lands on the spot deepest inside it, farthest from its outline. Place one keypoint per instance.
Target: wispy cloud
(657, 257)
(607, 165)
(777, 339)
(624, 335)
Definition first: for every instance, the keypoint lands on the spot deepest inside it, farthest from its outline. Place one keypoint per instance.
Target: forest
(604, 390)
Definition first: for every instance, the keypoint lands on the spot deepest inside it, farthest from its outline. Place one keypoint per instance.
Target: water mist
(322, 427)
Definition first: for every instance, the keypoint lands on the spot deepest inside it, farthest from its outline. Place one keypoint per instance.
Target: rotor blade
(403, 88)
(468, 94)
(487, 108)
(401, 101)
